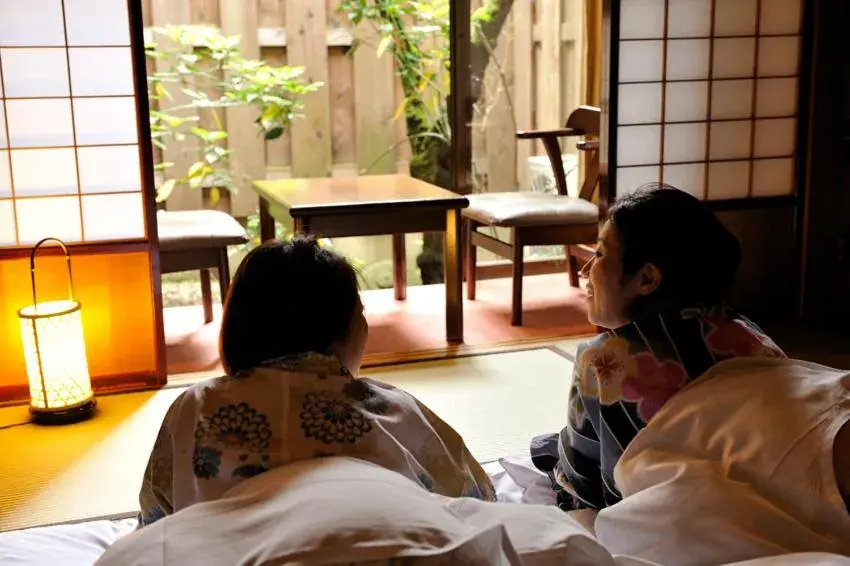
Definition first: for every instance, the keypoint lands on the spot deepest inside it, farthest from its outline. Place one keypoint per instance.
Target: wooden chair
(538, 219)
(198, 239)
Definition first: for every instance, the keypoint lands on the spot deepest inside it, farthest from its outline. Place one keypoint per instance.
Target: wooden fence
(349, 122)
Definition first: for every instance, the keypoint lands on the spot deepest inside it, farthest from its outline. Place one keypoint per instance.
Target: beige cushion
(530, 209)
(191, 229)
(347, 511)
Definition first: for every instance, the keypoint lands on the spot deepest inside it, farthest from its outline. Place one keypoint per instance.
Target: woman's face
(608, 294)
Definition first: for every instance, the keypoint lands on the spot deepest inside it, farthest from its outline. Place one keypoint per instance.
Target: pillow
(320, 511)
(343, 510)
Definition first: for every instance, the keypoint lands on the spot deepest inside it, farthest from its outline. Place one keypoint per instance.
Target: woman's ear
(649, 279)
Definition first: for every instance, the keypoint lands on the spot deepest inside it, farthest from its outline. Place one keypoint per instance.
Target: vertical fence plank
(549, 72)
(523, 89)
(571, 69)
(177, 12)
(278, 152)
(306, 33)
(249, 160)
(374, 105)
(501, 134)
(403, 151)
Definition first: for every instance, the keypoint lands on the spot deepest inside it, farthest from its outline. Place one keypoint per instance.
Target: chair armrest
(540, 134)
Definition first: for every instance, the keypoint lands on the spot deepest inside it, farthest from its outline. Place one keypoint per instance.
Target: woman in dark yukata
(658, 284)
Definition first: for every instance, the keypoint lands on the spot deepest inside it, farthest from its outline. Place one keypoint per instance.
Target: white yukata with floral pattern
(222, 431)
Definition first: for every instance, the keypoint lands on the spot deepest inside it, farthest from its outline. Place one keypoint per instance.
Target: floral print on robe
(223, 431)
(621, 379)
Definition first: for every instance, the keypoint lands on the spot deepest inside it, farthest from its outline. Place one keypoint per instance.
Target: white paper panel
(780, 16)
(49, 218)
(39, 172)
(39, 122)
(3, 141)
(684, 142)
(7, 223)
(689, 178)
(775, 138)
(113, 217)
(735, 17)
(773, 177)
(732, 99)
(730, 140)
(689, 18)
(101, 121)
(641, 19)
(639, 103)
(35, 72)
(638, 145)
(776, 97)
(109, 169)
(641, 61)
(687, 59)
(629, 179)
(32, 23)
(5, 176)
(779, 56)
(734, 58)
(97, 22)
(686, 102)
(101, 71)
(728, 180)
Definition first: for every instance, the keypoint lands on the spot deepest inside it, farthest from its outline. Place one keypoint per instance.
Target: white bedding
(81, 544)
(684, 505)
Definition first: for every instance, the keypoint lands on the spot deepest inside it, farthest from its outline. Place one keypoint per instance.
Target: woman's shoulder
(732, 335)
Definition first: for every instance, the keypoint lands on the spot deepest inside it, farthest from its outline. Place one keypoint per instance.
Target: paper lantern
(55, 353)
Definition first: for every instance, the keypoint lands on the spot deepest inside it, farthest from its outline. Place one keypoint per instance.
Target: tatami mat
(497, 402)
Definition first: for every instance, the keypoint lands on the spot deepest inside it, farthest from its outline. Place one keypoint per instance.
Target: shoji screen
(707, 96)
(69, 145)
(75, 165)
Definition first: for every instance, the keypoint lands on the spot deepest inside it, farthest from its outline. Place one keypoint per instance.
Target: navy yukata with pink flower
(622, 378)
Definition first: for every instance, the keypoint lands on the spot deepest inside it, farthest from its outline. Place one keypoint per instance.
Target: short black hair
(697, 255)
(286, 298)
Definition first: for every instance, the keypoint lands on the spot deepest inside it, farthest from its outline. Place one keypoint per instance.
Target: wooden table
(373, 205)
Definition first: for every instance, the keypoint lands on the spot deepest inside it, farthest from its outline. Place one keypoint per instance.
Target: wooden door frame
(820, 219)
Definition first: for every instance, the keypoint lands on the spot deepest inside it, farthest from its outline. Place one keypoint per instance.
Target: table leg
(452, 260)
(267, 222)
(301, 226)
(399, 267)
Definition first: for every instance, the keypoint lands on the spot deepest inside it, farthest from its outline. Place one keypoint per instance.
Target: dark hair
(697, 256)
(286, 298)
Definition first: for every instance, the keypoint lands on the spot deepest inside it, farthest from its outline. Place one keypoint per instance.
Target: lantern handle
(67, 261)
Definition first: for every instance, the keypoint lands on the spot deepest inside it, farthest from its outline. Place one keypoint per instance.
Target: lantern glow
(55, 355)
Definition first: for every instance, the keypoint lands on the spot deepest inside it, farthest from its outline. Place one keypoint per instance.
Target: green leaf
(200, 132)
(274, 133)
(161, 92)
(165, 190)
(196, 169)
(386, 41)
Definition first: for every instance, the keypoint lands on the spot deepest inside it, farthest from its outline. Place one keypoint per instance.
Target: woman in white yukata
(292, 341)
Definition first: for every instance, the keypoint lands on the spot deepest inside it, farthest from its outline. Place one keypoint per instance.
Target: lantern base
(64, 416)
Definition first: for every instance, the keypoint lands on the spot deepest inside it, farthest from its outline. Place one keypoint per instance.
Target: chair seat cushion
(530, 209)
(194, 229)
